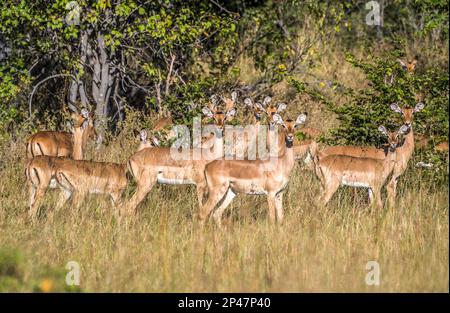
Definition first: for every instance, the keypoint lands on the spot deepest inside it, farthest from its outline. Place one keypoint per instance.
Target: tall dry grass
(316, 248)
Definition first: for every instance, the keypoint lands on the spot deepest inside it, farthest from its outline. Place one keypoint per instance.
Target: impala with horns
(226, 178)
(76, 178)
(64, 144)
(343, 170)
(158, 165)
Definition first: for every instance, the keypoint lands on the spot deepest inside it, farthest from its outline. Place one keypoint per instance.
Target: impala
(41, 173)
(343, 170)
(404, 152)
(76, 178)
(226, 178)
(65, 144)
(150, 166)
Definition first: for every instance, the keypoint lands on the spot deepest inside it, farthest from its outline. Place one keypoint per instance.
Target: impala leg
(392, 189)
(271, 202)
(32, 192)
(377, 198)
(67, 190)
(201, 189)
(116, 199)
(329, 190)
(217, 215)
(141, 192)
(279, 207)
(64, 196)
(35, 202)
(215, 195)
(37, 187)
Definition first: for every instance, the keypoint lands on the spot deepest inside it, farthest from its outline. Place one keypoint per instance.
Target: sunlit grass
(316, 248)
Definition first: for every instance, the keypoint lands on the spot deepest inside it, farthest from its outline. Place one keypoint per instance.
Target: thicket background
(133, 61)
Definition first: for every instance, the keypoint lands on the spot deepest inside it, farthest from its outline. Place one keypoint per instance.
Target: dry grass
(316, 249)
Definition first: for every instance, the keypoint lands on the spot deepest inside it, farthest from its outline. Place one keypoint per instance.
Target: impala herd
(56, 160)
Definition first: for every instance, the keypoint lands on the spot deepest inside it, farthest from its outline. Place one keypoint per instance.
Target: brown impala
(343, 170)
(64, 144)
(226, 178)
(76, 178)
(404, 152)
(150, 166)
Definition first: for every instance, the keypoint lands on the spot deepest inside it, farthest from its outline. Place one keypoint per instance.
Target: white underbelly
(352, 183)
(173, 181)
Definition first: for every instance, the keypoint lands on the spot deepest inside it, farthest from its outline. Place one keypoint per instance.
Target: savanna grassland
(316, 248)
(163, 249)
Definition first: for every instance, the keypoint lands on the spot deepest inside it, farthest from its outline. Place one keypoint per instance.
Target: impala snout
(393, 146)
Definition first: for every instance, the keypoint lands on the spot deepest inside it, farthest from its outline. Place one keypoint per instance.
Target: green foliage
(272, 33)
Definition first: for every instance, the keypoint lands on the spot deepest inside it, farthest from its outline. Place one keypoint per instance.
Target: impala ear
(403, 129)
(234, 96)
(402, 63)
(85, 113)
(281, 107)
(382, 130)
(394, 107)
(248, 102)
(277, 119)
(231, 112)
(155, 141)
(207, 112)
(419, 106)
(214, 99)
(143, 135)
(301, 119)
(267, 100)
